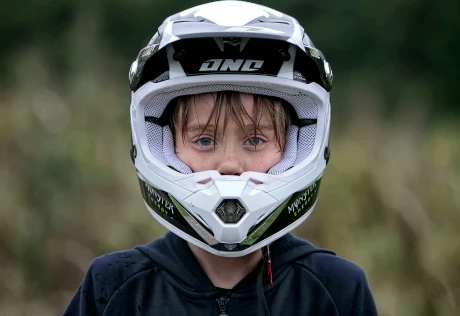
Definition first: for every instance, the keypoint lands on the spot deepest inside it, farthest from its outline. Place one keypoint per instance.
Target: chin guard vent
(230, 211)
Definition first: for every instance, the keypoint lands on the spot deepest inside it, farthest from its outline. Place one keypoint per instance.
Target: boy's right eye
(206, 141)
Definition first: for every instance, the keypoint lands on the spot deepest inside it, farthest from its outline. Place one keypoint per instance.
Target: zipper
(222, 303)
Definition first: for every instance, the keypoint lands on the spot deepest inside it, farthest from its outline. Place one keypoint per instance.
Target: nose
(230, 164)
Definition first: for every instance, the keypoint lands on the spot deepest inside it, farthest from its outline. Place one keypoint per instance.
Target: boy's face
(232, 152)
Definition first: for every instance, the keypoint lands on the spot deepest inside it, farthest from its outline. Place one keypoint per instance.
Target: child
(230, 122)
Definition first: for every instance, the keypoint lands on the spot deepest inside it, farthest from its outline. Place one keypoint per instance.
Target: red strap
(269, 268)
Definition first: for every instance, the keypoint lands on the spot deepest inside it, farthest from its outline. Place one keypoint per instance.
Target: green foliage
(389, 199)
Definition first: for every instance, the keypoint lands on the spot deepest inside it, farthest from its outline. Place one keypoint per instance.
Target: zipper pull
(222, 304)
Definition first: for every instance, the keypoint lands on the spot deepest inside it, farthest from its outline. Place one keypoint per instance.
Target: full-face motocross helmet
(230, 46)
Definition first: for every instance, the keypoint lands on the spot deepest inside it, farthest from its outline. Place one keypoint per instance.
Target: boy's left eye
(254, 141)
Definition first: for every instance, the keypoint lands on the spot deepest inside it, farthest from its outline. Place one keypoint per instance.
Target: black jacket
(164, 278)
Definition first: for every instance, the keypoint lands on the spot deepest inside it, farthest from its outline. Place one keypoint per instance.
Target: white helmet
(230, 46)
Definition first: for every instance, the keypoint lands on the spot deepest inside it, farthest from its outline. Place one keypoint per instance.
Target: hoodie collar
(173, 254)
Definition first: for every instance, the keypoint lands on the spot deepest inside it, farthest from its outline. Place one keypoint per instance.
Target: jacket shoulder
(120, 265)
(344, 280)
(105, 275)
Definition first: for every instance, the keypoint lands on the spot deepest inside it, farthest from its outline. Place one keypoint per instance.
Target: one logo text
(231, 65)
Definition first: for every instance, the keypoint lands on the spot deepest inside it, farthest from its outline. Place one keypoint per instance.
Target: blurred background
(390, 199)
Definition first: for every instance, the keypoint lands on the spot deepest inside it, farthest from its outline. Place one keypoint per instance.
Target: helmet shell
(230, 46)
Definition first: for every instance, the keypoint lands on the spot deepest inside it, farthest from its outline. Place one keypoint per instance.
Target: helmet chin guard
(230, 46)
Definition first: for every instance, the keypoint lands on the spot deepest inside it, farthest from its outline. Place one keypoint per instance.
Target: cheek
(191, 158)
(265, 161)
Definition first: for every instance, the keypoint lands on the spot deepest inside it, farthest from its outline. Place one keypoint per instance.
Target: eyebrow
(199, 127)
(248, 127)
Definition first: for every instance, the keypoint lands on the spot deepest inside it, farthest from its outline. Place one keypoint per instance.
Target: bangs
(229, 104)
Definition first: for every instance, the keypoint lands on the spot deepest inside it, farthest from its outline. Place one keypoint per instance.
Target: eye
(205, 142)
(254, 141)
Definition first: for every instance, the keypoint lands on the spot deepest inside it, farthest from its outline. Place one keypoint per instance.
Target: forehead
(202, 105)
